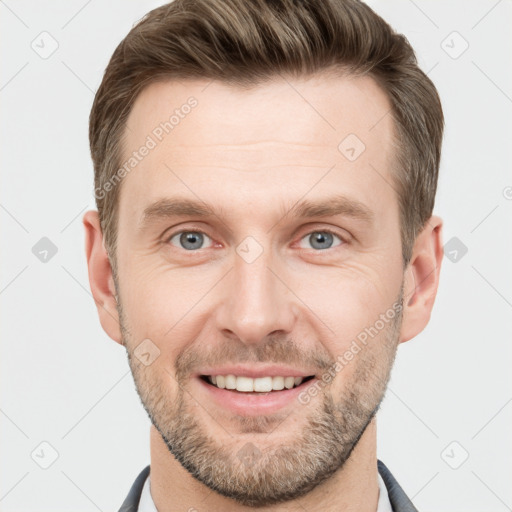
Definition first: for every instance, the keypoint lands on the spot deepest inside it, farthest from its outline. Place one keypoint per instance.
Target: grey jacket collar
(399, 500)
(397, 497)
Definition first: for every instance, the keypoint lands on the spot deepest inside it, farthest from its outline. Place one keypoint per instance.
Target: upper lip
(256, 371)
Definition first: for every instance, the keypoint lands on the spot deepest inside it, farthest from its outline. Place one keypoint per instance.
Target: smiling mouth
(258, 386)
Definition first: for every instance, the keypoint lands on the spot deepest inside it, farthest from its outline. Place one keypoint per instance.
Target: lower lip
(252, 404)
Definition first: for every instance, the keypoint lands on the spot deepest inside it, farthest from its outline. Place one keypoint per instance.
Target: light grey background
(64, 382)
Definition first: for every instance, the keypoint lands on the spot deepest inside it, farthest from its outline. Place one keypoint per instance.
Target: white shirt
(147, 504)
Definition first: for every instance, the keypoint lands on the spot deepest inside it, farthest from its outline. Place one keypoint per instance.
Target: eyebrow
(332, 206)
(168, 208)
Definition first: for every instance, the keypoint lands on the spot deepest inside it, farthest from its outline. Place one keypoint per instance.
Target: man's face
(259, 284)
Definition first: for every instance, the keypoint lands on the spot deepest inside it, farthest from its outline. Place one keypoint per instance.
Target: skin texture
(252, 155)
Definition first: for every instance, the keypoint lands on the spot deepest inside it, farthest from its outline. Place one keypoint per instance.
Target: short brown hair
(246, 42)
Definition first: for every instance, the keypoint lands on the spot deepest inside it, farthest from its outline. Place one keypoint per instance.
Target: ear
(422, 279)
(100, 276)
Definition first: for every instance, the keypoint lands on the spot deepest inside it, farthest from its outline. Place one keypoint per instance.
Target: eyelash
(324, 230)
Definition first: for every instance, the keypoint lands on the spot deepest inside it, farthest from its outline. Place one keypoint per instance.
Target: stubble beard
(249, 468)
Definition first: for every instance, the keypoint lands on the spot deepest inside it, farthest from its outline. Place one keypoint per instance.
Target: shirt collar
(147, 504)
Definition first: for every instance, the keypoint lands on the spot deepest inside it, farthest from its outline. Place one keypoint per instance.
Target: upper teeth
(261, 384)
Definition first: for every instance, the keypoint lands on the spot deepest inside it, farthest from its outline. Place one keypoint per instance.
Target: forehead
(207, 138)
(313, 110)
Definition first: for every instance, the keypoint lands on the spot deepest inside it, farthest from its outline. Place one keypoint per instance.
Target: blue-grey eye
(320, 240)
(189, 240)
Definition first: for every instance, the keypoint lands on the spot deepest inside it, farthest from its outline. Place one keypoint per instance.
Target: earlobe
(100, 276)
(422, 279)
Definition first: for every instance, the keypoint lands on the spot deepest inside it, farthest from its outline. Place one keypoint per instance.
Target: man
(265, 175)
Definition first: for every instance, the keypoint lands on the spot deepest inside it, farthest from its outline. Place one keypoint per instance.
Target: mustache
(282, 351)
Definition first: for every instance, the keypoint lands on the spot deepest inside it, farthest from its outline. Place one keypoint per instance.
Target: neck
(352, 488)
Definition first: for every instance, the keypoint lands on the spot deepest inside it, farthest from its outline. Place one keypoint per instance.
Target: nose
(257, 301)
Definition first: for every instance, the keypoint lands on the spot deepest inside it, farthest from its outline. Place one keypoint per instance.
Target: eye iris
(196, 239)
(323, 238)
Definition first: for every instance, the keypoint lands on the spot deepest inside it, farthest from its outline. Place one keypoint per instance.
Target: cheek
(348, 299)
(350, 302)
(157, 296)
(164, 306)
